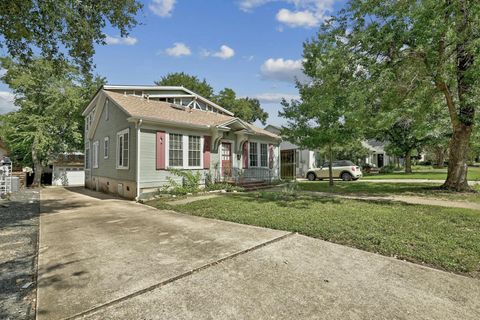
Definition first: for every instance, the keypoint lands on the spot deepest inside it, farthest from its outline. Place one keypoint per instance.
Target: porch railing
(239, 175)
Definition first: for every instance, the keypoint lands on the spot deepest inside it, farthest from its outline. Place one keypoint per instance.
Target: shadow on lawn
(367, 188)
(289, 200)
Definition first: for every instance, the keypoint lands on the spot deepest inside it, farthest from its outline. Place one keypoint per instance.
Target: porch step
(254, 185)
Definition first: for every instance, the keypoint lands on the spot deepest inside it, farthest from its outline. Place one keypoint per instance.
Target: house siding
(107, 168)
(152, 179)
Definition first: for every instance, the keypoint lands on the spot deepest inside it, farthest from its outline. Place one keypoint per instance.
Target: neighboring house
(3, 150)
(134, 134)
(377, 155)
(294, 161)
(68, 170)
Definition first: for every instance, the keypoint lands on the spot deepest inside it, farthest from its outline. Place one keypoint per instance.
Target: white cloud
(179, 49)
(225, 52)
(129, 41)
(282, 70)
(2, 72)
(305, 13)
(247, 5)
(162, 8)
(292, 19)
(6, 102)
(270, 97)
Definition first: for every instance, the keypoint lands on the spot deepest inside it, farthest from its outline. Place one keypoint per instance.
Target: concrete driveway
(105, 258)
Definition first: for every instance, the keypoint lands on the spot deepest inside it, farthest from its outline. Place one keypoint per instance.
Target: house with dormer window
(135, 134)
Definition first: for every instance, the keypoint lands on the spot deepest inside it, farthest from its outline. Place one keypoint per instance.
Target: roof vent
(176, 106)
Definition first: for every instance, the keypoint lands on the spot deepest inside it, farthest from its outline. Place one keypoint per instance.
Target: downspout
(138, 125)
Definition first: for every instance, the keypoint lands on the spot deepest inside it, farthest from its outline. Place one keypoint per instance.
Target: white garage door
(68, 176)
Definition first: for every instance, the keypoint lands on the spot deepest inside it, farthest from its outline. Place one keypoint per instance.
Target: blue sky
(251, 46)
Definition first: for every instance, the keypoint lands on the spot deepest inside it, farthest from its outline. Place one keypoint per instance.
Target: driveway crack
(178, 277)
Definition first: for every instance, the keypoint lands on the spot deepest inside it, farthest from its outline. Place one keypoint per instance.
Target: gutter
(169, 123)
(138, 125)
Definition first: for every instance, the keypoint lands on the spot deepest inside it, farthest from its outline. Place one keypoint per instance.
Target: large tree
(438, 42)
(191, 82)
(325, 117)
(247, 109)
(50, 97)
(59, 27)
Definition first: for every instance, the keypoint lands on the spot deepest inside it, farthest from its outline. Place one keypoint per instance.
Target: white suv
(342, 169)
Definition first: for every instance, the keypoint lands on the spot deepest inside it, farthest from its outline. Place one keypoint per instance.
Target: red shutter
(245, 155)
(271, 156)
(160, 150)
(207, 141)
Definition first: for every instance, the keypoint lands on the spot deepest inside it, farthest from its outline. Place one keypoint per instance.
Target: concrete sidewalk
(104, 258)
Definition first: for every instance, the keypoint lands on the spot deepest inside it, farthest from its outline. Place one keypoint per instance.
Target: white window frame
(185, 149)
(95, 149)
(106, 147)
(250, 153)
(260, 155)
(122, 166)
(200, 153)
(88, 163)
(167, 154)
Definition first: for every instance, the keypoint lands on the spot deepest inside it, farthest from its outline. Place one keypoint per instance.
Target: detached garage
(69, 170)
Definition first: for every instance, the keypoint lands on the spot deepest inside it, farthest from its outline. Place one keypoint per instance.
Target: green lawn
(446, 238)
(380, 188)
(425, 173)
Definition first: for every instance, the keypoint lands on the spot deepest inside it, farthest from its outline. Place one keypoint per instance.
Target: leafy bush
(290, 188)
(387, 169)
(190, 182)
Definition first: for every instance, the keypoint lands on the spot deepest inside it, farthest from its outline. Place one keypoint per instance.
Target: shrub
(387, 169)
(190, 182)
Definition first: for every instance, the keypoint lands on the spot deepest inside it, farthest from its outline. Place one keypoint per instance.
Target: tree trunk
(408, 162)
(38, 169)
(457, 166)
(330, 169)
(439, 157)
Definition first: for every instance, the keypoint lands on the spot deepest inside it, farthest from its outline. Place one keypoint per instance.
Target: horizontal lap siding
(117, 121)
(150, 177)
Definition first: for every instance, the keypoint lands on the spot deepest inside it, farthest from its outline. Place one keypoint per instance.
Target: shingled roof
(139, 107)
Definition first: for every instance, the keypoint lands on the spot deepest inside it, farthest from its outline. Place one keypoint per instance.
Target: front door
(287, 164)
(226, 159)
(380, 160)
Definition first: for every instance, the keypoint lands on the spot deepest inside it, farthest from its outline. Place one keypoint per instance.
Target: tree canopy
(50, 97)
(248, 109)
(326, 116)
(420, 48)
(62, 26)
(390, 62)
(191, 82)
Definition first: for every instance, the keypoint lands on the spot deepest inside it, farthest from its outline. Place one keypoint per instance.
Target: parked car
(343, 169)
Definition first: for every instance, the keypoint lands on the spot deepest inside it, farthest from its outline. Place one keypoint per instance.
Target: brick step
(255, 188)
(251, 183)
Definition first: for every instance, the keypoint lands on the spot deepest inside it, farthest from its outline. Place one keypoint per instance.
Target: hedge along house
(135, 134)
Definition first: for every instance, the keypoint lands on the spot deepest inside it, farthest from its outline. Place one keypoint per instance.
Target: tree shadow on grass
(288, 200)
